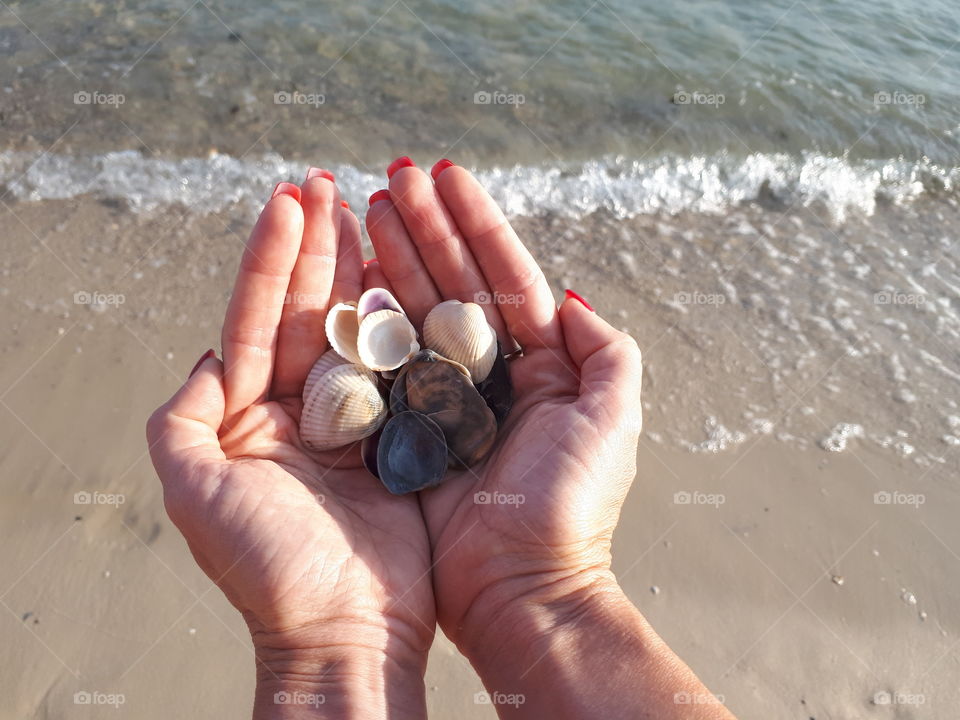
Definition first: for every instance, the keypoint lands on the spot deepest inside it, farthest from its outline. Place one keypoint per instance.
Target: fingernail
(286, 188)
(344, 204)
(575, 296)
(400, 162)
(203, 358)
(379, 195)
(367, 262)
(440, 167)
(320, 172)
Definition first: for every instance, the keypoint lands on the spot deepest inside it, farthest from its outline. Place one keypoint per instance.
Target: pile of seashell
(418, 412)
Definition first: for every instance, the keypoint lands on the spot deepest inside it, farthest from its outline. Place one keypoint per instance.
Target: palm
(291, 536)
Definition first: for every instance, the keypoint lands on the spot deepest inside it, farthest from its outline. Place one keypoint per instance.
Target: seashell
(459, 331)
(444, 394)
(343, 328)
(411, 454)
(344, 406)
(368, 452)
(398, 391)
(376, 299)
(497, 389)
(386, 340)
(329, 360)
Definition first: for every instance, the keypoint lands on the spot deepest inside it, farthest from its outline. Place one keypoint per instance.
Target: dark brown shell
(443, 393)
(497, 389)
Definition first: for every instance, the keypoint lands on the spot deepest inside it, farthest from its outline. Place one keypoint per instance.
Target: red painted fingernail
(379, 195)
(579, 299)
(344, 204)
(203, 358)
(440, 167)
(320, 172)
(286, 188)
(367, 262)
(400, 162)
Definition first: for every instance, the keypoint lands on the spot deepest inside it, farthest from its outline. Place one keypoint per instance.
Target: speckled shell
(459, 331)
(344, 406)
(329, 360)
(386, 340)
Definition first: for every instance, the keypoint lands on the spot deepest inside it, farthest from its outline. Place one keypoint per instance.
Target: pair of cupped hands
(340, 582)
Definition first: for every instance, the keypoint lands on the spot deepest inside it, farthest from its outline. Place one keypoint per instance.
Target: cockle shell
(386, 340)
(329, 360)
(376, 299)
(459, 331)
(343, 328)
(344, 406)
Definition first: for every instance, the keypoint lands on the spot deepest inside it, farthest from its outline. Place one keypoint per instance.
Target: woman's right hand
(521, 542)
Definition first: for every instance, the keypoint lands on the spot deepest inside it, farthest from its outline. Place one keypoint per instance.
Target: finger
(373, 277)
(301, 339)
(399, 259)
(183, 431)
(518, 285)
(348, 279)
(447, 258)
(250, 328)
(610, 366)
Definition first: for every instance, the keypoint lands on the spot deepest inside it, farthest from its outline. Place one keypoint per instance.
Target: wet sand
(774, 570)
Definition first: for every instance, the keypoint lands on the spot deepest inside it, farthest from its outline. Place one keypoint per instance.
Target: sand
(783, 582)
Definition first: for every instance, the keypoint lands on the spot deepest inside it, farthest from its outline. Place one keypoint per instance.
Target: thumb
(609, 361)
(183, 431)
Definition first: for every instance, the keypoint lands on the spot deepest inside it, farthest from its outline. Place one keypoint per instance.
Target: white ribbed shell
(459, 331)
(329, 360)
(344, 406)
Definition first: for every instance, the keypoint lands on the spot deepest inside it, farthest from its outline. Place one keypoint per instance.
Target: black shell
(412, 453)
(497, 389)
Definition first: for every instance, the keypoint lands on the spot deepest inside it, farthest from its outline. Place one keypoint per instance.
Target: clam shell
(343, 328)
(459, 331)
(344, 406)
(445, 395)
(497, 389)
(411, 454)
(398, 391)
(329, 360)
(386, 340)
(376, 299)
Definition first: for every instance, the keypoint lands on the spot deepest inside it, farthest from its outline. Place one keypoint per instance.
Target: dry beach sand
(790, 587)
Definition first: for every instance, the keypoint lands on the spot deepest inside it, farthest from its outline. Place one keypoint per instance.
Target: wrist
(345, 671)
(522, 612)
